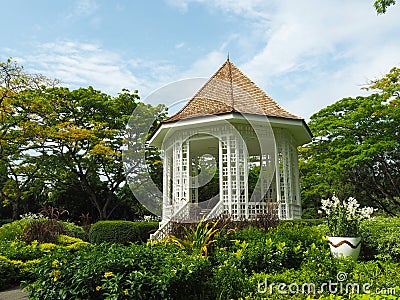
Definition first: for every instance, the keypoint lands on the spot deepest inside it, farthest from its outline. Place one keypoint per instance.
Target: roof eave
(298, 127)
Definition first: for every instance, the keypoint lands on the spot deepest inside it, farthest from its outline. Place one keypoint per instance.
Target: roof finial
(231, 81)
(228, 57)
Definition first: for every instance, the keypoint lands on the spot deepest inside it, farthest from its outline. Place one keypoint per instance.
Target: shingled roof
(228, 91)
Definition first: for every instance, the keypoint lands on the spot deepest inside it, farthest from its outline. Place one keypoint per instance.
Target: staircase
(189, 212)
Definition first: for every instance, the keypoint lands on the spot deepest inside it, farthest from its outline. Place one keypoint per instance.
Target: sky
(305, 54)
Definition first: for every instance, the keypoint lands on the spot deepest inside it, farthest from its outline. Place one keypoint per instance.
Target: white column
(296, 185)
(167, 183)
(278, 173)
(166, 200)
(224, 177)
(194, 179)
(185, 171)
(177, 175)
(245, 181)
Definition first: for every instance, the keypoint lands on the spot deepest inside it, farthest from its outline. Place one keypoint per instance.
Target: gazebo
(229, 127)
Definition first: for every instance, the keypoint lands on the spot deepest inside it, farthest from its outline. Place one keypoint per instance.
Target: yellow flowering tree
(83, 134)
(20, 177)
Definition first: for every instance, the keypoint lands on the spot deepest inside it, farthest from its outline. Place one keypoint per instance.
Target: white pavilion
(230, 126)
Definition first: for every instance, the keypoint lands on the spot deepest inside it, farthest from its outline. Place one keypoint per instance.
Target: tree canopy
(356, 147)
(64, 147)
(55, 141)
(381, 6)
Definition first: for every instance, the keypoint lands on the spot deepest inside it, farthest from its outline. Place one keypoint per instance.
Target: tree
(17, 126)
(14, 79)
(53, 139)
(83, 133)
(382, 5)
(356, 148)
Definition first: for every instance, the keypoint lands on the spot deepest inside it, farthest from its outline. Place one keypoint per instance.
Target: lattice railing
(216, 211)
(164, 230)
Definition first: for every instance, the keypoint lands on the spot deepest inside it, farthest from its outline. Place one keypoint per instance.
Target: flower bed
(241, 264)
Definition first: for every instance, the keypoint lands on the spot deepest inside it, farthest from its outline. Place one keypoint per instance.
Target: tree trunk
(16, 209)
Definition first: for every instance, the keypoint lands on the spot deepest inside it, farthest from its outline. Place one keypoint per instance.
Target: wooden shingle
(227, 91)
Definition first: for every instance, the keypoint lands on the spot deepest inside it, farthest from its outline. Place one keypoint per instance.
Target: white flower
(31, 216)
(344, 218)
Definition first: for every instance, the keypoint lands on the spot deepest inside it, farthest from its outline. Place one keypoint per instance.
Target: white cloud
(248, 8)
(182, 5)
(80, 65)
(85, 7)
(306, 54)
(179, 45)
(310, 53)
(206, 66)
(322, 51)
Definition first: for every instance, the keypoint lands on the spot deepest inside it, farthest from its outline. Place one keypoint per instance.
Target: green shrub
(63, 239)
(13, 271)
(26, 269)
(377, 277)
(241, 260)
(20, 250)
(9, 274)
(18, 257)
(381, 238)
(73, 230)
(5, 221)
(13, 231)
(229, 274)
(303, 222)
(22, 230)
(119, 272)
(272, 250)
(120, 231)
(144, 230)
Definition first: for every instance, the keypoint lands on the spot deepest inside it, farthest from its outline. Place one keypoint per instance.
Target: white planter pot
(345, 246)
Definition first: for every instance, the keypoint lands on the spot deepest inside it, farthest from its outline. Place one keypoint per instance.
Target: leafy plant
(381, 238)
(14, 230)
(52, 212)
(43, 230)
(8, 273)
(121, 272)
(229, 275)
(198, 238)
(240, 260)
(74, 230)
(20, 250)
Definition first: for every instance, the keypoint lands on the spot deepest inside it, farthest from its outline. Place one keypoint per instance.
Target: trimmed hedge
(74, 230)
(303, 222)
(120, 231)
(381, 238)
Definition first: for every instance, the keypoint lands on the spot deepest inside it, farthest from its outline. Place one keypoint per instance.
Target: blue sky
(305, 54)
